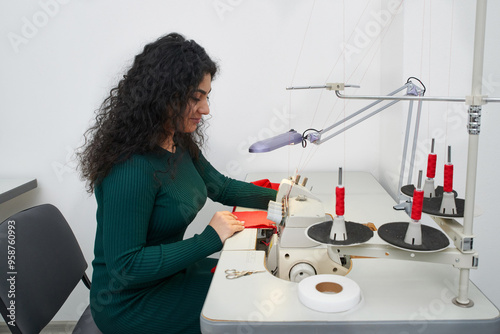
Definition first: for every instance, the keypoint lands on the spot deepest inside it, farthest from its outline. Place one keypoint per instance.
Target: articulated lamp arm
(292, 137)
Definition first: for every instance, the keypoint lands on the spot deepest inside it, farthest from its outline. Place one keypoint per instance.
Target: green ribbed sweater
(146, 278)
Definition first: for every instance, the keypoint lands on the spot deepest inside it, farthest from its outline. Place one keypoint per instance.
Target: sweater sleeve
(232, 192)
(128, 198)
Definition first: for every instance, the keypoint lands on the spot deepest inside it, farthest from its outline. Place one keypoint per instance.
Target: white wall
(60, 58)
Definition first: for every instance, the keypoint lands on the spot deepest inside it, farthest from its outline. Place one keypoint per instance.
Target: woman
(142, 160)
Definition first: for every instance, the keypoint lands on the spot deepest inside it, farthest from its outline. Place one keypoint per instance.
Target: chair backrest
(43, 263)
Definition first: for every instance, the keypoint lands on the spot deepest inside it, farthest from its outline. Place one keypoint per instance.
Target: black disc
(409, 188)
(356, 233)
(432, 206)
(432, 239)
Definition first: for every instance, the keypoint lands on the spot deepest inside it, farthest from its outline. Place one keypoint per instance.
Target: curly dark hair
(148, 104)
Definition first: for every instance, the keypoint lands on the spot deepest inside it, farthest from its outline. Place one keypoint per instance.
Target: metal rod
(363, 109)
(415, 139)
(388, 97)
(419, 184)
(359, 121)
(327, 86)
(449, 155)
(405, 150)
(306, 87)
(491, 99)
(403, 98)
(340, 176)
(470, 183)
(477, 76)
(477, 64)
(432, 145)
(463, 287)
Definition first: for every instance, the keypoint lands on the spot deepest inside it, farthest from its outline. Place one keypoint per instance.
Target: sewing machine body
(294, 256)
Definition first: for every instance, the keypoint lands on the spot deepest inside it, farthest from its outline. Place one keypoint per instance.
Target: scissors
(233, 273)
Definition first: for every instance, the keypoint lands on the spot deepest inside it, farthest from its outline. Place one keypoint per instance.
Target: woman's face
(198, 106)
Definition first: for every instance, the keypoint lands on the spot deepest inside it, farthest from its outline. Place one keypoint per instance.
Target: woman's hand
(225, 224)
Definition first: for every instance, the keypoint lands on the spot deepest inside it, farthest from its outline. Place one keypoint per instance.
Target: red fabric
(339, 198)
(418, 201)
(255, 219)
(448, 178)
(266, 184)
(431, 166)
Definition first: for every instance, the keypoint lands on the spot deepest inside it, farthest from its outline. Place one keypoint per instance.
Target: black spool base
(409, 188)
(356, 233)
(433, 240)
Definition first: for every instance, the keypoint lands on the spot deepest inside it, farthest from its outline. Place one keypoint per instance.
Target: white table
(11, 188)
(399, 297)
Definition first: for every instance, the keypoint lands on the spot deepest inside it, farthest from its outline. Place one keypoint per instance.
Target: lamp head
(291, 137)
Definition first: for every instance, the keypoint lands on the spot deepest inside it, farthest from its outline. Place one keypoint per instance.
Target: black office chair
(43, 263)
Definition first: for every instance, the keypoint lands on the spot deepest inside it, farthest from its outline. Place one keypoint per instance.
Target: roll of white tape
(329, 293)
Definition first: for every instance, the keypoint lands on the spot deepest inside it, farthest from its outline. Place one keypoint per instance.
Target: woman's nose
(204, 107)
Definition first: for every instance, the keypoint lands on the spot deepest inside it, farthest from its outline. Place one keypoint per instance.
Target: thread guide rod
(419, 184)
(337, 87)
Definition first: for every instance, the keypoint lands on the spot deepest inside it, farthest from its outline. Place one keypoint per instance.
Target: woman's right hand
(225, 224)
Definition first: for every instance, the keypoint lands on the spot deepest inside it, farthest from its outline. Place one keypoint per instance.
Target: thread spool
(431, 166)
(448, 203)
(339, 231)
(448, 178)
(431, 162)
(418, 202)
(413, 234)
(340, 201)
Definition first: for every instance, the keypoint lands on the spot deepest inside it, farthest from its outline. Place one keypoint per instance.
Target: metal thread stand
(463, 257)
(475, 102)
